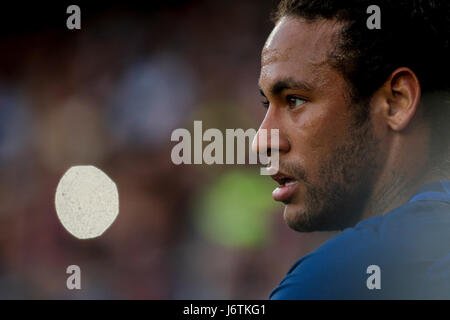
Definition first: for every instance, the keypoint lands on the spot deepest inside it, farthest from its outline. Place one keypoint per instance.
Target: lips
(288, 187)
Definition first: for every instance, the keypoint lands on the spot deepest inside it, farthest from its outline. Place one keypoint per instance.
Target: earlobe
(403, 92)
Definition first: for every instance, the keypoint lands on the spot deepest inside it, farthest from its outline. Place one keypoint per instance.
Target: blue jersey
(404, 254)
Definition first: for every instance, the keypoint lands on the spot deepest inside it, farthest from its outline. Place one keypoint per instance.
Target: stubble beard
(345, 181)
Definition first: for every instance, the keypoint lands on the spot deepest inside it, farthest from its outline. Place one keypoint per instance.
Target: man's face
(327, 161)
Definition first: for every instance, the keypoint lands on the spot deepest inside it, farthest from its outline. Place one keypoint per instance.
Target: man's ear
(401, 96)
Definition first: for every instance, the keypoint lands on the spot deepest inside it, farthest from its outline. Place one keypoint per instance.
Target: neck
(397, 186)
(392, 193)
(400, 176)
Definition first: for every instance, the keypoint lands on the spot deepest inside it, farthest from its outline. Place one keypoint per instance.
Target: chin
(300, 219)
(297, 218)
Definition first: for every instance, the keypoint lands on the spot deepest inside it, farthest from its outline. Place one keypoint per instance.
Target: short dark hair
(413, 34)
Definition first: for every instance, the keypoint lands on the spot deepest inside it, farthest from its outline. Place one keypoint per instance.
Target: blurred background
(110, 95)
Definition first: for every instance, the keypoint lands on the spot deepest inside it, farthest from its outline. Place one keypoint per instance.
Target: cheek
(317, 131)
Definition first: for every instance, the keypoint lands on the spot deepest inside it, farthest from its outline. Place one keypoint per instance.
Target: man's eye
(265, 104)
(295, 102)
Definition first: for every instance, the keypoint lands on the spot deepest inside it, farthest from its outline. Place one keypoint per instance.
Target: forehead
(296, 45)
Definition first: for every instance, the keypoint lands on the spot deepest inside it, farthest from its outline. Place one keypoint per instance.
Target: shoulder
(403, 244)
(339, 265)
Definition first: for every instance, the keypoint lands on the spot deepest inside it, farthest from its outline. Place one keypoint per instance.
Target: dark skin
(340, 172)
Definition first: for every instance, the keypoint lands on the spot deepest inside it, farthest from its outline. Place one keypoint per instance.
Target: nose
(270, 136)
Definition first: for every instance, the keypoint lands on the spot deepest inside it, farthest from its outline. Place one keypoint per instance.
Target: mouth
(287, 189)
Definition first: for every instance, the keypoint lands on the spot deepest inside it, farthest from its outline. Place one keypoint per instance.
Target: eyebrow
(284, 84)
